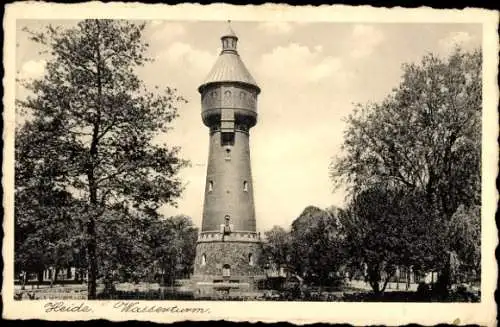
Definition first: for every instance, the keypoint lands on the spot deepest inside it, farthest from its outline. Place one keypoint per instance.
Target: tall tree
(47, 217)
(425, 136)
(183, 246)
(122, 243)
(316, 240)
(103, 122)
(173, 243)
(47, 229)
(277, 245)
(136, 246)
(384, 230)
(423, 142)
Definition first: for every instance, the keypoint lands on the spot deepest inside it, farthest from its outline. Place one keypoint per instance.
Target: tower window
(227, 226)
(250, 259)
(228, 154)
(226, 270)
(203, 259)
(227, 138)
(210, 186)
(245, 186)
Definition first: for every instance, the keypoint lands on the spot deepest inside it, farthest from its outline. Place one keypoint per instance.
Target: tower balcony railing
(236, 236)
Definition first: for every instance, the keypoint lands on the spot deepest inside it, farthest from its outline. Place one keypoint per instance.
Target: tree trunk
(40, 277)
(375, 287)
(92, 244)
(53, 280)
(398, 275)
(387, 279)
(374, 278)
(23, 282)
(92, 270)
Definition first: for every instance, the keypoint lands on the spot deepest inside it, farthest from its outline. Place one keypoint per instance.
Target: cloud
(32, 69)
(298, 64)
(364, 39)
(275, 27)
(155, 22)
(164, 32)
(186, 57)
(456, 39)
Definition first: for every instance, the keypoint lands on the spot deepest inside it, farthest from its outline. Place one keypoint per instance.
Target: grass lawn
(153, 291)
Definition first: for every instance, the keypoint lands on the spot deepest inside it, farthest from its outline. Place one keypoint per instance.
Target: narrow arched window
(250, 259)
(245, 186)
(226, 270)
(210, 186)
(203, 259)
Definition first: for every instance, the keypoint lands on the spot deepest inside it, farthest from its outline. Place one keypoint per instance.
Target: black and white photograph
(230, 159)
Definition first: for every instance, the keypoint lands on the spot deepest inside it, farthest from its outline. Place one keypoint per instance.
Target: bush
(423, 292)
(145, 295)
(464, 294)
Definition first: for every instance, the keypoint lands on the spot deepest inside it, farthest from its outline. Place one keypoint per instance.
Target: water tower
(228, 247)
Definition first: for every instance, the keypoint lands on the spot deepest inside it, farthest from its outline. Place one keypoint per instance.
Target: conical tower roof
(229, 32)
(229, 67)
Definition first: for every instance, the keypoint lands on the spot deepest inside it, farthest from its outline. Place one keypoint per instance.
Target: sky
(310, 74)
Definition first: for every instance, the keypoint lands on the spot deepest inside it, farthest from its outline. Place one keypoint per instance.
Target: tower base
(227, 265)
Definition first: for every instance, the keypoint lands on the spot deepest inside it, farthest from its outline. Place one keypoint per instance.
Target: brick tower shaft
(229, 190)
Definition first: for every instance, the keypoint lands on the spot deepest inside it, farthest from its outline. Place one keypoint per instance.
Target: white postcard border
(483, 313)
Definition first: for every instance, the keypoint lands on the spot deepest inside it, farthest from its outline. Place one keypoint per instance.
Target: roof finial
(229, 31)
